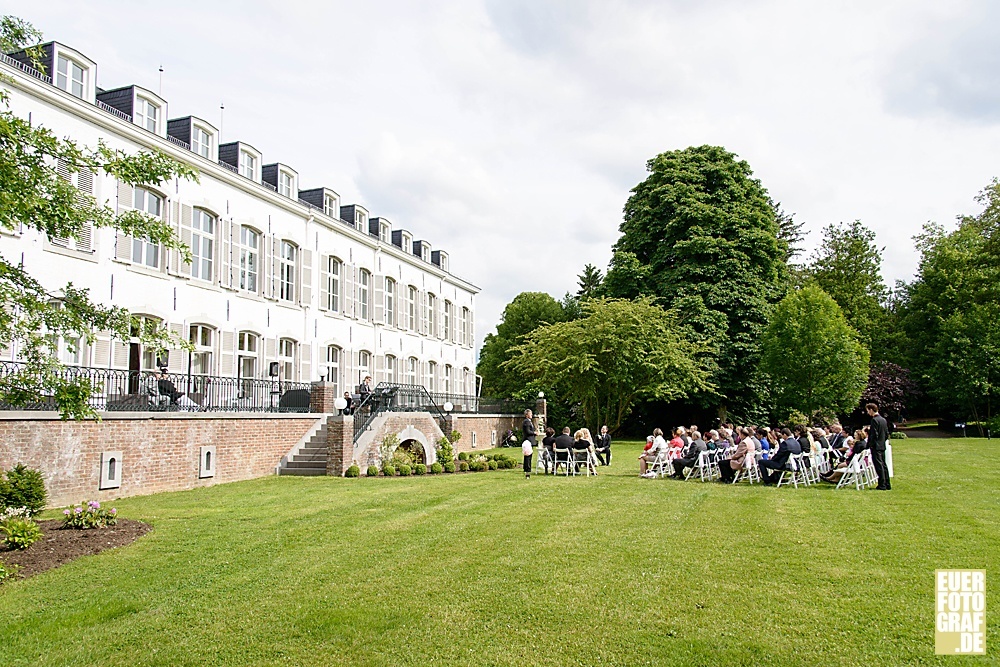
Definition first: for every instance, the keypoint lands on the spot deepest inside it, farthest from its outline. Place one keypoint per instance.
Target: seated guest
(583, 448)
(690, 458)
(682, 433)
(166, 388)
(648, 456)
(859, 445)
(548, 458)
(770, 470)
(563, 441)
(603, 447)
(349, 410)
(764, 435)
(728, 468)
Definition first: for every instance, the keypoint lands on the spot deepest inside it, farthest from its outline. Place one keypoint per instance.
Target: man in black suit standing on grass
(878, 433)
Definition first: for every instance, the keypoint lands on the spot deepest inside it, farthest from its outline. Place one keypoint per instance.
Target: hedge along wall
(159, 452)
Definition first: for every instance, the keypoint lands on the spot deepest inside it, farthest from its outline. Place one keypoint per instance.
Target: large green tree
(947, 312)
(812, 356)
(589, 282)
(527, 312)
(620, 352)
(847, 265)
(708, 238)
(36, 193)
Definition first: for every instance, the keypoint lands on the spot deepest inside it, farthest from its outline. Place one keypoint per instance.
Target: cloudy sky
(509, 132)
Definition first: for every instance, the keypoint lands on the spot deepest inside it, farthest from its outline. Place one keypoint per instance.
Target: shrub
(474, 466)
(898, 435)
(372, 471)
(388, 470)
(405, 470)
(7, 571)
(463, 456)
(492, 464)
(454, 437)
(509, 464)
(436, 468)
(353, 471)
(91, 515)
(24, 487)
(420, 469)
(19, 532)
(449, 467)
(445, 452)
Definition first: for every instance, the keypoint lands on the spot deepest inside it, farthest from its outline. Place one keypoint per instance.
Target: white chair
(582, 457)
(703, 468)
(750, 470)
(659, 466)
(854, 474)
(793, 473)
(562, 458)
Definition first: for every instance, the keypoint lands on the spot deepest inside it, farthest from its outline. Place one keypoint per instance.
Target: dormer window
(385, 233)
(425, 252)
(201, 141)
(407, 245)
(444, 262)
(146, 114)
(330, 206)
(248, 165)
(360, 219)
(286, 183)
(69, 76)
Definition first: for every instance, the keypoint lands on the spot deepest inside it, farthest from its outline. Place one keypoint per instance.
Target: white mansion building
(280, 274)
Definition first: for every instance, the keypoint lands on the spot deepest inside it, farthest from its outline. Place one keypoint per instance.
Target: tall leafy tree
(847, 265)
(33, 195)
(812, 355)
(589, 282)
(945, 312)
(618, 353)
(891, 387)
(527, 312)
(707, 235)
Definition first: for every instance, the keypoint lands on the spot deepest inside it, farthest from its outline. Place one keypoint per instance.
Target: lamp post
(340, 404)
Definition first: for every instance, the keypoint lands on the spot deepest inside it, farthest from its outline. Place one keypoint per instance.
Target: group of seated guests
(579, 448)
(771, 447)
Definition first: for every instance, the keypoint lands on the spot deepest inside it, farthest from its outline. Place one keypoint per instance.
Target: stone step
(319, 465)
(313, 451)
(319, 460)
(303, 472)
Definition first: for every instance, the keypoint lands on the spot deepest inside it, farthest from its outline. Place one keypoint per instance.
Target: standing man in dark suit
(878, 433)
(776, 463)
(528, 430)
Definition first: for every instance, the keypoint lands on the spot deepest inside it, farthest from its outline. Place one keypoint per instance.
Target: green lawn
(491, 569)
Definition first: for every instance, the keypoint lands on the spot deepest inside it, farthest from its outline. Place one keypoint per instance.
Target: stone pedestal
(340, 444)
(321, 397)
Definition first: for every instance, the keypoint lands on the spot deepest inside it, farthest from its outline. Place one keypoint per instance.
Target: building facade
(283, 279)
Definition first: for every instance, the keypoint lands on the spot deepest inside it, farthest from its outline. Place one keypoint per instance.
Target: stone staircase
(309, 457)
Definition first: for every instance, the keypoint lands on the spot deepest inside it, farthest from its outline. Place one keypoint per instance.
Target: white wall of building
(164, 288)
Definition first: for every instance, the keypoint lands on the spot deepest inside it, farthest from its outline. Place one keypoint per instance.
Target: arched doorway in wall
(414, 449)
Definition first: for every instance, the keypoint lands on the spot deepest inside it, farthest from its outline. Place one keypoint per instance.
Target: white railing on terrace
(267, 185)
(27, 69)
(179, 142)
(226, 165)
(113, 111)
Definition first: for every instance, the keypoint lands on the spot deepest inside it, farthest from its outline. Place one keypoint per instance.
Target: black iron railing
(145, 391)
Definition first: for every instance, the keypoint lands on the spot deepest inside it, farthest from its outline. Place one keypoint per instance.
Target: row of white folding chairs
(860, 472)
(567, 458)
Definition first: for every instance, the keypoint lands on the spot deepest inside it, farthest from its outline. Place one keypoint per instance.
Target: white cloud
(510, 132)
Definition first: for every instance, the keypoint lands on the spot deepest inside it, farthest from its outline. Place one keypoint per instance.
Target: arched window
(431, 384)
(247, 351)
(202, 337)
(391, 372)
(334, 268)
(249, 258)
(449, 320)
(286, 359)
(446, 381)
(287, 258)
(390, 302)
(463, 327)
(202, 244)
(144, 251)
(411, 308)
(364, 285)
(333, 367)
(432, 319)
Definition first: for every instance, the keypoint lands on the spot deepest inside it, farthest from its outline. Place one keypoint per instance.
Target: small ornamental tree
(890, 387)
(812, 355)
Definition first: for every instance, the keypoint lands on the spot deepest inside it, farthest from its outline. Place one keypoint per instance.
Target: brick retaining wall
(159, 453)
